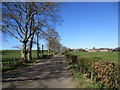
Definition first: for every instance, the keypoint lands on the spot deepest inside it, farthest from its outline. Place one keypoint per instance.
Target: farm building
(100, 50)
(91, 50)
(105, 50)
(116, 49)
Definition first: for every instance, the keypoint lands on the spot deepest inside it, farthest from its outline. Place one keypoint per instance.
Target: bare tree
(50, 19)
(55, 45)
(22, 19)
(16, 18)
(52, 38)
(17, 47)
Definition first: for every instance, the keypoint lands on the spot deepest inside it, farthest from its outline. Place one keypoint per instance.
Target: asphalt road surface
(50, 73)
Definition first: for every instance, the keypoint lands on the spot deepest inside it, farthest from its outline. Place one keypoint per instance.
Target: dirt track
(51, 73)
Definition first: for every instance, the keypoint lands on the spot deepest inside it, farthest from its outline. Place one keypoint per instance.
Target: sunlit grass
(108, 56)
(16, 54)
(10, 58)
(80, 80)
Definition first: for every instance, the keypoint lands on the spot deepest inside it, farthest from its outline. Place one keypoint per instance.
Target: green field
(10, 57)
(15, 54)
(108, 56)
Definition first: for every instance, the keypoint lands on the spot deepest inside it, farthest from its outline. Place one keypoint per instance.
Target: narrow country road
(51, 73)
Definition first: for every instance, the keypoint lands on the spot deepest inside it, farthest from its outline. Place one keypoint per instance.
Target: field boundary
(105, 73)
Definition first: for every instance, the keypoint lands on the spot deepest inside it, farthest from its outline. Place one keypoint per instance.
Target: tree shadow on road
(49, 69)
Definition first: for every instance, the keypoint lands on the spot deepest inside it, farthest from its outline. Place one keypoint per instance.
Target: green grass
(15, 54)
(9, 58)
(83, 82)
(107, 56)
(8, 68)
(80, 80)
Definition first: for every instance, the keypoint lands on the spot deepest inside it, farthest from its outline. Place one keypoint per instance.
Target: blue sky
(86, 25)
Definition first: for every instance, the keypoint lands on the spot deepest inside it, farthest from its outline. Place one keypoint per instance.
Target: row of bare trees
(52, 37)
(28, 21)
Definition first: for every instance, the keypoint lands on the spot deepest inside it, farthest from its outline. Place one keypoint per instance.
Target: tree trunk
(38, 48)
(48, 51)
(23, 53)
(53, 51)
(29, 54)
(42, 51)
(31, 41)
(30, 50)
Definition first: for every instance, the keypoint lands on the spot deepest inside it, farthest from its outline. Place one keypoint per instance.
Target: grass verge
(80, 80)
(18, 66)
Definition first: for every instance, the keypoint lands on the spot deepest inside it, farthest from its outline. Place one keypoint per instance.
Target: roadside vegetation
(94, 69)
(80, 80)
(10, 59)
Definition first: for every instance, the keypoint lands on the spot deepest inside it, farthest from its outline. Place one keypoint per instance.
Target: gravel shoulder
(50, 73)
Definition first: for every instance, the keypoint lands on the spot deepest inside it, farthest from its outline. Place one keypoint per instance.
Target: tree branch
(14, 35)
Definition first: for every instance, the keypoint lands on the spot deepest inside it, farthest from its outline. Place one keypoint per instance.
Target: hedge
(103, 72)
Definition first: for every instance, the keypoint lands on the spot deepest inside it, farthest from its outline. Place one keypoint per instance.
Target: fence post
(1, 64)
(9, 63)
(14, 61)
(91, 75)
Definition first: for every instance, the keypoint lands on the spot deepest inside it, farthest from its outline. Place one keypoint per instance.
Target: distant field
(10, 57)
(15, 54)
(108, 56)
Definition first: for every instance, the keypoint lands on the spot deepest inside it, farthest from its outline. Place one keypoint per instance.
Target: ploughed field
(107, 56)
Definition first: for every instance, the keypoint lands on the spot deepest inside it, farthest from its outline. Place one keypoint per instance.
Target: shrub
(107, 73)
